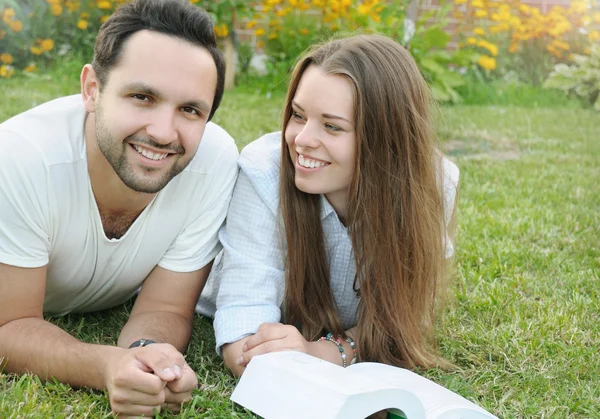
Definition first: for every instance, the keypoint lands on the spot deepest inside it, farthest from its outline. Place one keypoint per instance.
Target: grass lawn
(523, 317)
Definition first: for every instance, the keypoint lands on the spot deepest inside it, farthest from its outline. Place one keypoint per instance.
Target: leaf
(436, 38)
(439, 93)
(452, 79)
(432, 65)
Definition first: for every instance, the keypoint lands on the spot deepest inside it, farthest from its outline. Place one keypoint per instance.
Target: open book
(290, 385)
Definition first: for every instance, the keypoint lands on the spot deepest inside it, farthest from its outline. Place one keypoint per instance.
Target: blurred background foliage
(456, 43)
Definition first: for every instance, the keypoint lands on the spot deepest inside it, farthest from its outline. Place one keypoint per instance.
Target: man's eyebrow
(201, 105)
(325, 115)
(141, 88)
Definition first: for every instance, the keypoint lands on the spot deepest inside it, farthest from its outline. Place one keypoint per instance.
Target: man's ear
(90, 87)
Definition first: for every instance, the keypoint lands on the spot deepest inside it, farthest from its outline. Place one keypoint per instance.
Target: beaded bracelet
(353, 346)
(329, 337)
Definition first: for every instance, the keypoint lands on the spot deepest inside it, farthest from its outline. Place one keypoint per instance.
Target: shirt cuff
(235, 322)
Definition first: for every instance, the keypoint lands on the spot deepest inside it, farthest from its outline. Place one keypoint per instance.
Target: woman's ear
(89, 87)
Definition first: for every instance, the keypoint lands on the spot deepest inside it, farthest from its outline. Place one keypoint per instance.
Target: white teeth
(310, 163)
(147, 153)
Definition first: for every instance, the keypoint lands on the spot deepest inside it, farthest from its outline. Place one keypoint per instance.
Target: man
(124, 184)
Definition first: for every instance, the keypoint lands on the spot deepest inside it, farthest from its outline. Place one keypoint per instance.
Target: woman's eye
(331, 127)
(297, 116)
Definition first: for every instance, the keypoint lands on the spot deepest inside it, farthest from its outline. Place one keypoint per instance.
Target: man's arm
(139, 381)
(164, 309)
(28, 343)
(163, 312)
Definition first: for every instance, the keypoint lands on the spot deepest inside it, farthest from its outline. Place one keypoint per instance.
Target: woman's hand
(273, 337)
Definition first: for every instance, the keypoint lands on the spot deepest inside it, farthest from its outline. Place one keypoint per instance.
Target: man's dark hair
(171, 17)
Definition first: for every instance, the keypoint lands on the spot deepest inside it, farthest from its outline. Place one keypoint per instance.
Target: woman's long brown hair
(395, 209)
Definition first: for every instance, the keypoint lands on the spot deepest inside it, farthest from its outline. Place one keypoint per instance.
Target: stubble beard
(115, 152)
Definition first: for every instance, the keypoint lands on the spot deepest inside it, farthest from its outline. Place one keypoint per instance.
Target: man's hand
(179, 390)
(273, 337)
(137, 379)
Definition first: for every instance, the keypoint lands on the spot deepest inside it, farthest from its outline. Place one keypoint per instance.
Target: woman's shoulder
(450, 172)
(263, 153)
(260, 161)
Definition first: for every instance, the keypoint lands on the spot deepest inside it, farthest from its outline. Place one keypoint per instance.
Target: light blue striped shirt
(247, 281)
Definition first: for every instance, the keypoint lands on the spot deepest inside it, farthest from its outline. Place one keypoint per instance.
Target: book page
(436, 399)
(296, 385)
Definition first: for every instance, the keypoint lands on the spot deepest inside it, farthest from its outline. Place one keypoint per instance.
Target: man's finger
(137, 379)
(164, 360)
(186, 383)
(123, 397)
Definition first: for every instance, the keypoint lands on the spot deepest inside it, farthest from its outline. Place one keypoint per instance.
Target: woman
(336, 237)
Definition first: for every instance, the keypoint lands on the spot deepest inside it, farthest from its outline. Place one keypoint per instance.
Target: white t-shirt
(48, 214)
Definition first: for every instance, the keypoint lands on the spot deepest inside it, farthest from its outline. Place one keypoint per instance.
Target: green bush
(581, 79)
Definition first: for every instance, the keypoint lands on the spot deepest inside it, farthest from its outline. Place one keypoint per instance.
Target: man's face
(153, 109)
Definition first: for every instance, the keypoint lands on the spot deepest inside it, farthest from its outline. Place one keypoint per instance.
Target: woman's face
(320, 136)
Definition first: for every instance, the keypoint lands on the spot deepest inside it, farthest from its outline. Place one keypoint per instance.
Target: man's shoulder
(53, 129)
(217, 151)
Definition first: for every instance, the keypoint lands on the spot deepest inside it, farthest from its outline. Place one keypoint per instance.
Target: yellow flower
(251, 24)
(487, 63)
(596, 17)
(8, 14)
(6, 58)
(36, 50)
(2, 34)
(503, 27)
(493, 49)
(103, 5)
(259, 32)
(481, 13)
(31, 68)
(84, 15)
(524, 9)
(104, 18)
(478, 3)
(194, 1)
(56, 9)
(260, 44)
(304, 31)
(514, 47)
(6, 71)
(272, 35)
(460, 1)
(479, 31)
(221, 30)
(560, 44)
(594, 36)
(47, 44)
(82, 24)
(72, 5)
(471, 41)
(586, 20)
(15, 25)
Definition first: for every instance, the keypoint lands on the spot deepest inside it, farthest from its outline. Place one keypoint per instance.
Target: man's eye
(141, 97)
(190, 110)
